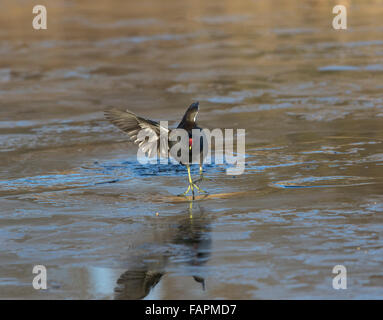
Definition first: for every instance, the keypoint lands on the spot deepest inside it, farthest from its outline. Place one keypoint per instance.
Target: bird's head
(191, 113)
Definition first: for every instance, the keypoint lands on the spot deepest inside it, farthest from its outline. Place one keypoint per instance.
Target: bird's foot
(191, 187)
(185, 193)
(199, 189)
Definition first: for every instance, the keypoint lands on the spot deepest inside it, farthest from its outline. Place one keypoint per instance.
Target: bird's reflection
(136, 284)
(188, 241)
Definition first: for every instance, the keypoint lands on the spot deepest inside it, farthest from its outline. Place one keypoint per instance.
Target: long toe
(199, 189)
(185, 193)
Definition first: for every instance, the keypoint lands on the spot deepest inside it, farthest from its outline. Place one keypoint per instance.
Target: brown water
(74, 199)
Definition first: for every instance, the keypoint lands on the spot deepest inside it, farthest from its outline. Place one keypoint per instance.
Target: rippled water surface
(74, 198)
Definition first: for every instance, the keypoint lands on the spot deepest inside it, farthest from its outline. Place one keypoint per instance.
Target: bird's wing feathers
(128, 122)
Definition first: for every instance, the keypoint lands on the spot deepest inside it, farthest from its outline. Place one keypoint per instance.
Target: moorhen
(130, 123)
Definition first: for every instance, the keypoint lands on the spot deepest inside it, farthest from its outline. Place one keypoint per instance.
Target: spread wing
(137, 128)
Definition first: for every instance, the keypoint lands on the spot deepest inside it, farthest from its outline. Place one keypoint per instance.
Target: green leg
(201, 177)
(192, 185)
(190, 181)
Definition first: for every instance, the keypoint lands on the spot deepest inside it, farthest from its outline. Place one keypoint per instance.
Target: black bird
(130, 123)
